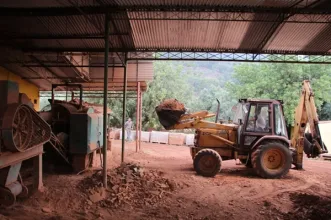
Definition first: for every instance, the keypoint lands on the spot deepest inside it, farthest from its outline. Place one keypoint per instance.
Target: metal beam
(140, 117)
(137, 116)
(77, 10)
(146, 51)
(105, 102)
(60, 37)
(285, 57)
(100, 97)
(68, 66)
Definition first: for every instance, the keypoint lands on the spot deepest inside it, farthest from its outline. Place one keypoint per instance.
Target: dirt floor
(235, 193)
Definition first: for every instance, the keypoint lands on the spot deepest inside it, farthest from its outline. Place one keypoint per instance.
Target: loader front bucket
(168, 118)
(169, 112)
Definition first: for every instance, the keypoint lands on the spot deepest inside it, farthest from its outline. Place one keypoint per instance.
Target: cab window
(258, 118)
(280, 127)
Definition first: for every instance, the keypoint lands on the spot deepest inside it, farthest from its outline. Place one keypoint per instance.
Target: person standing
(128, 128)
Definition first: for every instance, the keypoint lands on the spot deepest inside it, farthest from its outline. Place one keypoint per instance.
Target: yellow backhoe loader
(257, 136)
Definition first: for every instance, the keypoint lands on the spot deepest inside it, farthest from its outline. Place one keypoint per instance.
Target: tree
(325, 112)
(281, 81)
(169, 82)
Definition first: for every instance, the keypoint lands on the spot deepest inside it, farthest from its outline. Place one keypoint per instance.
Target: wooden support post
(125, 79)
(138, 117)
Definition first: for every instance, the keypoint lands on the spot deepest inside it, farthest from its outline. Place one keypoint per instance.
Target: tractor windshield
(280, 128)
(240, 110)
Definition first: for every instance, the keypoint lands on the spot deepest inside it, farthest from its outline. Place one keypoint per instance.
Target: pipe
(105, 99)
(218, 110)
(124, 108)
(140, 116)
(137, 116)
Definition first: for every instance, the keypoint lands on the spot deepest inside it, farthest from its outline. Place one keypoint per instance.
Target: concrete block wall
(158, 137)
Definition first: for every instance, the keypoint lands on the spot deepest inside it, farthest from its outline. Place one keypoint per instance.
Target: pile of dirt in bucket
(308, 206)
(128, 184)
(169, 112)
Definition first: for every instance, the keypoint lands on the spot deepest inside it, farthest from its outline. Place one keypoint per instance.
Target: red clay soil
(171, 104)
(235, 193)
(169, 112)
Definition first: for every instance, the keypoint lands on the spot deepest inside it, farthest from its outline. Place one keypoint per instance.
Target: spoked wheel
(22, 128)
(207, 162)
(17, 128)
(272, 160)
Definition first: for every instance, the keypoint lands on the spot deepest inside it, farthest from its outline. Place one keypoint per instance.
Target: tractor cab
(257, 118)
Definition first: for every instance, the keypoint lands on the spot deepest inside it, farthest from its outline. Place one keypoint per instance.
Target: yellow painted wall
(26, 87)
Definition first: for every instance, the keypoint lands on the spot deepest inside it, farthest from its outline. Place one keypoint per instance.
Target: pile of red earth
(309, 207)
(128, 184)
(169, 112)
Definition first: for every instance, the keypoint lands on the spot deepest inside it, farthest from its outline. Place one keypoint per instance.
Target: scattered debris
(46, 210)
(308, 206)
(98, 195)
(171, 104)
(128, 184)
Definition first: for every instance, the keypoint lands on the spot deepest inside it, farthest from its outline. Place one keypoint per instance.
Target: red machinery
(23, 133)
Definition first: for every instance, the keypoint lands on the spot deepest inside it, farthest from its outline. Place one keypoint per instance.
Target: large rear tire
(272, 160)
(207, 162)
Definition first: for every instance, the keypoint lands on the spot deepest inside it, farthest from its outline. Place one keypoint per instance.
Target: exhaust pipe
(218, 110)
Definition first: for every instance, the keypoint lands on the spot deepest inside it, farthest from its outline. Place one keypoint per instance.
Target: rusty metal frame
(103, 9)
(105, 102)
(285, 57)
(124, 108)
(138, 116)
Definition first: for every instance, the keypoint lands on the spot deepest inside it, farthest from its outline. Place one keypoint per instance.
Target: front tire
(207, 163)
(272, 160)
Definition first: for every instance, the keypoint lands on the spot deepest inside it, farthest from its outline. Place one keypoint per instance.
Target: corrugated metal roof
(272, 3)
(162, 25)
(187, 35)
(64, 3)
(294, 37)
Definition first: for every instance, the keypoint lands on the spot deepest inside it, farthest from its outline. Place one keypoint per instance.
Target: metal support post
(137, 116)
(141, 116)
(105, 98)
(124, 108)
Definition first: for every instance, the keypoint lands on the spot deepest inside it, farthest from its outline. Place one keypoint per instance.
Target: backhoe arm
(305, 113)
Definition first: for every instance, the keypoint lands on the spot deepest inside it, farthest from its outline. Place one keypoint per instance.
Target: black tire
(207, 162)
(272, 160)
(246, 163)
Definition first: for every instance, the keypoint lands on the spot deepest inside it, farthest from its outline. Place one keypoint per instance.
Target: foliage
(281, 81)
(325, 112)
(187, 83)
(198, 84)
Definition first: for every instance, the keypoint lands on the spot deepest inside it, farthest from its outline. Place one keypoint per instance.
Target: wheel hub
(207, 163)
(273, 159)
